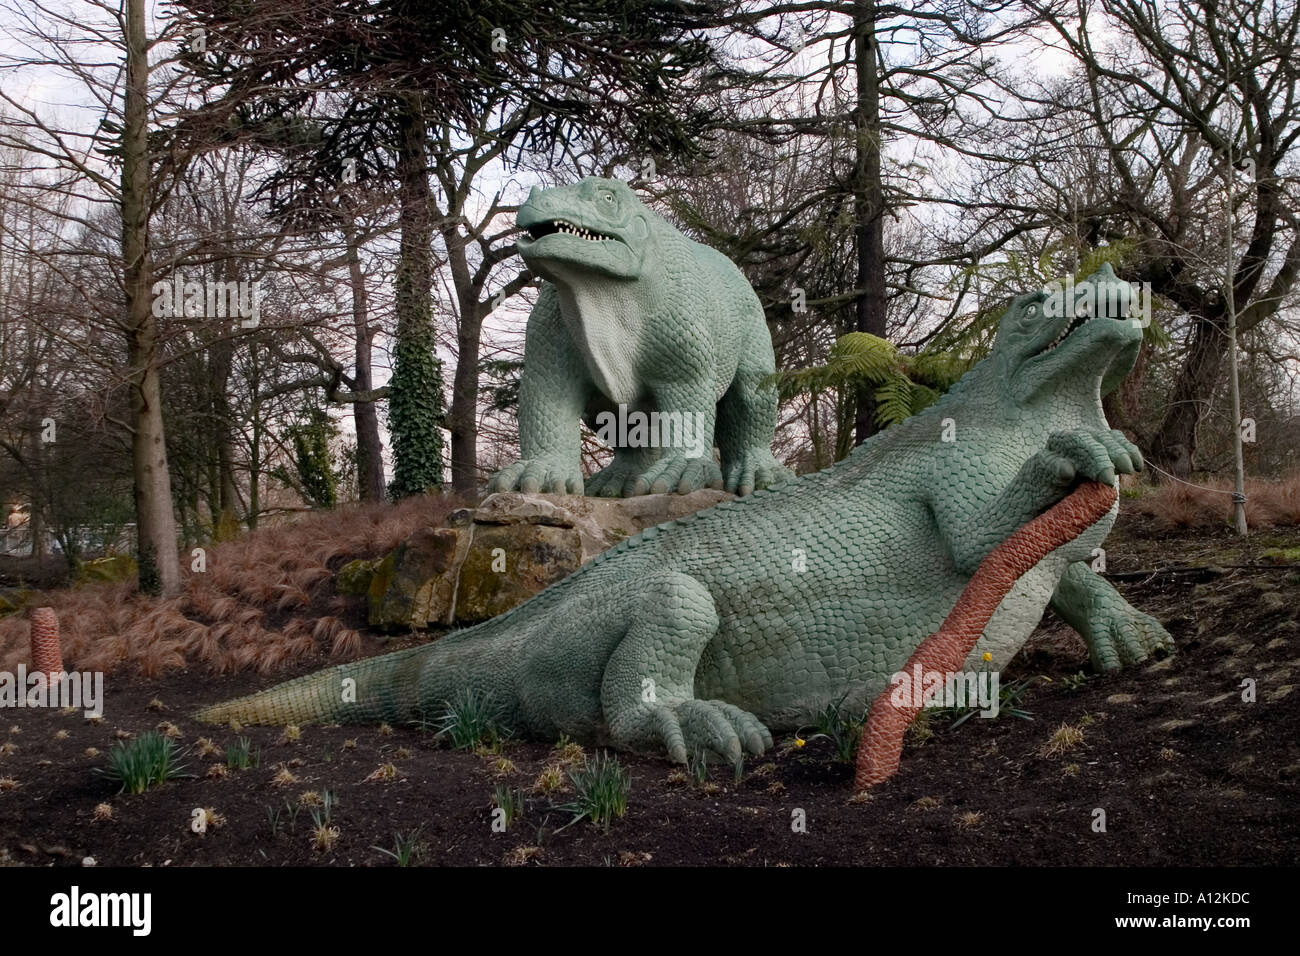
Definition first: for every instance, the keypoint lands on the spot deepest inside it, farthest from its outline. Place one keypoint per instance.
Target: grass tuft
(601, 786)
(144, 762)
(550, 780)
(406, 847)
(1064, 739)
(383, 773)
(242, 755)
(283, 778)
(510, 801)
(472, 720)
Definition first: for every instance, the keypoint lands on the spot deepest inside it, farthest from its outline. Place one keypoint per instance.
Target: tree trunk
(868, 199)
(463, 418)
(370, 450)
(255, 472)
(464, 406)
(415, 398)
(1174, 445)
(36, 509)
(220, 361)
(1123, 407)
(157, 553)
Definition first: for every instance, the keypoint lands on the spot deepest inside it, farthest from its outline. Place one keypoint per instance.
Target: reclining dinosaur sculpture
(711, 631)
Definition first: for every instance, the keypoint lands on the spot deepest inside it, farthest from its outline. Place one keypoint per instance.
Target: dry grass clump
(265, 601)
(1064, 739)
(1175, 506)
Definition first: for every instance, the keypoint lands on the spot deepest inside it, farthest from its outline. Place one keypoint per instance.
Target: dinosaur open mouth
(567, 228)
(1075, 322)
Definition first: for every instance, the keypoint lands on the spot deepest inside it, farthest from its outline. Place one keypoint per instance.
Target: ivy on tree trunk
(415, 411)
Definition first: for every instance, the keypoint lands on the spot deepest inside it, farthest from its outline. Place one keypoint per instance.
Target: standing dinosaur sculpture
(636, 320)
(710, 631)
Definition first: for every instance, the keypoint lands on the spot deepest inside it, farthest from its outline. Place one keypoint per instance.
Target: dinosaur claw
(712, 726)
(1129, 639)
(754, 470)
(669, 730)
(531, 475)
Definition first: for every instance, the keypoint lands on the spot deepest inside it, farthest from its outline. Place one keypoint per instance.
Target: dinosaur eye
(608, 197)
(1031, 311)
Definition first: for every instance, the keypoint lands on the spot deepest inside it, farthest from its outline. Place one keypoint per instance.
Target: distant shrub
(1176, 506)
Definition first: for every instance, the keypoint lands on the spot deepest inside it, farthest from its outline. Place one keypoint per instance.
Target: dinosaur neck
(609, 321)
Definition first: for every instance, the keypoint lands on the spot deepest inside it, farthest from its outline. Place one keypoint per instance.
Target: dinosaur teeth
(1075, 322)
(568, 229)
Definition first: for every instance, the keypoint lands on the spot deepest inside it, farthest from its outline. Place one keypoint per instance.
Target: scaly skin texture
(711, 631)
(633, 313)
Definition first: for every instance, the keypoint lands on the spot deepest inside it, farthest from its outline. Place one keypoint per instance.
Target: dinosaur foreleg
(1115, 631)
(746, 421)
(648, 690)
(683, 436)
(1040, 482)
(553, 392)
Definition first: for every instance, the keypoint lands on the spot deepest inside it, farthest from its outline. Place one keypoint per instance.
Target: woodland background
(887, 177)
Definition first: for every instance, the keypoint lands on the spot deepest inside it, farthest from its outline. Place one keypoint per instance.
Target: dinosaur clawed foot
(754, 470)
(532, 475)
(1127, 637)
(1090, 455)
(712, 726)
(671, 473)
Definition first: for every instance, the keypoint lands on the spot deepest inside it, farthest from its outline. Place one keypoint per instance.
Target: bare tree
(1171, 92)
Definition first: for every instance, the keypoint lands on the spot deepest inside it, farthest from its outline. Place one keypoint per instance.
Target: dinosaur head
(1073, 340)
(595, 225)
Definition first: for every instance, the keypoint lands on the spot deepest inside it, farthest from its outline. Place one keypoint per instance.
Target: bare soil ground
(1184, 769)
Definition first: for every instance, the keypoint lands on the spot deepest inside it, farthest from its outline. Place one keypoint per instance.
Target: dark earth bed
(1186, 772)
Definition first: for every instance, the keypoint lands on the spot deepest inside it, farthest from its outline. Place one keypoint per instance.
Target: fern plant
(901, 384)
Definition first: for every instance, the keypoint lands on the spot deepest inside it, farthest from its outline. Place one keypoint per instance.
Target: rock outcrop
(501, 553)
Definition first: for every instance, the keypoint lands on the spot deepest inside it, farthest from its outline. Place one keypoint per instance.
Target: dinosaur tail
(405, 685)
(946, 649)
(371, 690)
